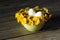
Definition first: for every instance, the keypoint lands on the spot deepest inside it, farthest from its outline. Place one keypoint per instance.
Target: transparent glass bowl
(34, 28)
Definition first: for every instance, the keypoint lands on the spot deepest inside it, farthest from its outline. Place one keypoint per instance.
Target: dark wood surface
(45, 35)
(9, 28)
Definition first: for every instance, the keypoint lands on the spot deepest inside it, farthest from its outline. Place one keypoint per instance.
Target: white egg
(31, 12)
(38, 14)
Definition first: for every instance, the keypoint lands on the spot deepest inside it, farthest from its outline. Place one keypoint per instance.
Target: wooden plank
(12, 29)
(46, 35)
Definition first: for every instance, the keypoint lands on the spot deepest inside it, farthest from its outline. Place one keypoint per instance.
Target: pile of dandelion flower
(32, 16)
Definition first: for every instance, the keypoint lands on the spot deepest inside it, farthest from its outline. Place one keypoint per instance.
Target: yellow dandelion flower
(43, 19)
(45, 9)
(30, 22)
(22, 10)
(37, 22)
(35, 18)
(19, 18)
(26, 9)
(23, 21)
(16, 15)
(28, 17)
(36, 8)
